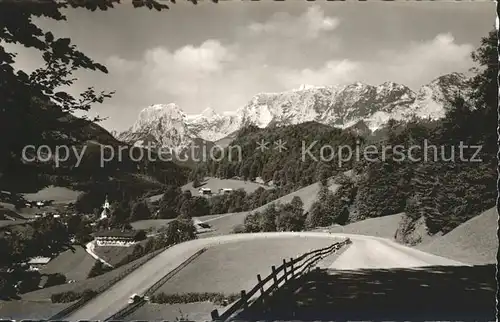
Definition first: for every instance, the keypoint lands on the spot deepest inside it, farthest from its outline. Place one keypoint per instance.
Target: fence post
(214, 314)
(244, 298)
(275, 278)
(291, 268)
(284, 270)
(260, 283)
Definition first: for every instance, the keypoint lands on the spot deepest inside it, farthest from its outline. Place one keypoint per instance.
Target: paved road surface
(365, 252)
(371, 252)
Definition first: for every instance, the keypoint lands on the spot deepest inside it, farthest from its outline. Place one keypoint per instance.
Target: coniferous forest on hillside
(444, 193)
(439, 193)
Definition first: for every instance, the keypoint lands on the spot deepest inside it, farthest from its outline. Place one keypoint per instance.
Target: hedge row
(71, 296)
(216, 298)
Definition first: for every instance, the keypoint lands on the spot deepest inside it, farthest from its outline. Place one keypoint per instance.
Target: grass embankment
(94, 283)
(74, 264)
(474, 241)
(243, 260)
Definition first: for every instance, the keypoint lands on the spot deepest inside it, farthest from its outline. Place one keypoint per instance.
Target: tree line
(38, 110)
(45, 237)
(289, 169)
(443, 193)
(276, 217)
(329, 208)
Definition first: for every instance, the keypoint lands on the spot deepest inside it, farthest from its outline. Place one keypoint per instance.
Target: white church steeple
(105, 209)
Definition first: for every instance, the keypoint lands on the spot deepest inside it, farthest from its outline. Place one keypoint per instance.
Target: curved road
(364, 252)
(381, 253)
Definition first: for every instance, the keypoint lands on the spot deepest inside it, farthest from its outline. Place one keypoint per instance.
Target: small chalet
(116, 237)
(38, 262)
(205, 191)
(225, 190)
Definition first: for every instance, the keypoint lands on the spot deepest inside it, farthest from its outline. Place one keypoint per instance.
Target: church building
(106, 210)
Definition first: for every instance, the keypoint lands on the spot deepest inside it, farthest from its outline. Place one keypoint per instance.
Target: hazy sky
(220, 55)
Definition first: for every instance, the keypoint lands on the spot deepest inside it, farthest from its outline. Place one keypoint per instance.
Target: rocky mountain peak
(209, 113)
(340, 106)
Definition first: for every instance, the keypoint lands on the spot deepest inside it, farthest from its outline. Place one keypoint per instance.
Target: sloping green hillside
(474, 241)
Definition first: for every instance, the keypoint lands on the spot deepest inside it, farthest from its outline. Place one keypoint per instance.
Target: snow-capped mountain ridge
(168, 126)
(340, 106)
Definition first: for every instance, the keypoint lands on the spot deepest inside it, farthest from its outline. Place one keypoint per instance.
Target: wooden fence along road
(279, 276)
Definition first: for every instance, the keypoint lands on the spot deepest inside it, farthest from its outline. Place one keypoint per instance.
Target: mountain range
(166, 125)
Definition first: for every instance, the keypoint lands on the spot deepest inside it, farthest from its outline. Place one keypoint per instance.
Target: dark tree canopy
(34, 108)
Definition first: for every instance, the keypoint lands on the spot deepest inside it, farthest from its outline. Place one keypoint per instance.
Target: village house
(205, 191)
(38, 262)
(225, 190)
(116, 237)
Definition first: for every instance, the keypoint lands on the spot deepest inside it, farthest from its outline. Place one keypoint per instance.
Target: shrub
(140, 210)
(6, 287)
(98, 269)
(29, 283)
(141, 235)
(277, 217)
(55, 279)
(3, 285)
(88, 201)
(64, 297)
(180, 230)
(88, 294)
(71, 296)
(196, 182)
